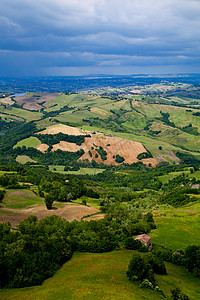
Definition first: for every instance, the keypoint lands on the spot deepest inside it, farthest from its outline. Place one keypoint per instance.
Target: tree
(176, 294)
(49, 199)
(2, 194)
(140, 269)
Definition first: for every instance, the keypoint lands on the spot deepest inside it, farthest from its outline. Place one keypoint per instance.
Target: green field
(26, 115)
(81, 171)
(60, 102)
(19, 199)
(177, 228)
(23, 159)
(89, 201)
(170, 176)
(29, 142)
(103, 276)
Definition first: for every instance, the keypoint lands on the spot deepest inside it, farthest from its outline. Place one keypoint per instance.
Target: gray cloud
(41, 36)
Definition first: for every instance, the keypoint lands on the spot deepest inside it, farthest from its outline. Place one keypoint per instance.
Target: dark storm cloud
(76, 37)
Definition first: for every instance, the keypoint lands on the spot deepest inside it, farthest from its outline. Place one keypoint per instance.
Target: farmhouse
(145, 240)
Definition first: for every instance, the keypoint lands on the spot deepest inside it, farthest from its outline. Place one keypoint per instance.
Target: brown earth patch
(42, 147)
(37, 101)
(55, 129)
(128, 149)
(7, 100)
(66, 146)
(68, 212)
(113, 145)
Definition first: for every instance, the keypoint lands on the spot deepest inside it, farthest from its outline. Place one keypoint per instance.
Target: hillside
(163, 117)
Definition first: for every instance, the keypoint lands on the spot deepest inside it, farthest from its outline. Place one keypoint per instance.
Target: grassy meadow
(177, 228)
(20, 199)
(103, 276)
(81, 171)
(29, 142)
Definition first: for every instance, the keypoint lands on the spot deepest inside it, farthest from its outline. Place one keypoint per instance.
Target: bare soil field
(42, 147)
(66, 146)
(55, 129)
(113, 146)
(33, 102)
(7, 100)
(68, 211)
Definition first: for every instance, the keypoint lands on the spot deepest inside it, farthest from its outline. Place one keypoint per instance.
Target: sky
(81, 37)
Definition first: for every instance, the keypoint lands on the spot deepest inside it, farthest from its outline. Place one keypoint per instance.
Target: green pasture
(44, 123)
(89, 201)
(21, 113)
(177, 228)
(81, 171)
(19, 199)
(77, 116)
(29, 142)
(103, 276)
(60, 102)
(181, 117)
(169, 176)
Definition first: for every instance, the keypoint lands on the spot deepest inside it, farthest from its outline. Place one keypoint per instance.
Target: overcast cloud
(75, 37)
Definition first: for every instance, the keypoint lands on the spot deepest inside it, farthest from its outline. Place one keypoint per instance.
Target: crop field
(21, 113)
(29, 142)
(103, 276)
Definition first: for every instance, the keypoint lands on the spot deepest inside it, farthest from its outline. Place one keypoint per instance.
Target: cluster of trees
(58, 157)
(143, 266)
(144, 155)
(63, 191)
(52, 139)
(34, 252)
(190, 257)
(190, 129)
(102, 153)
(165, 119)
(119, 159)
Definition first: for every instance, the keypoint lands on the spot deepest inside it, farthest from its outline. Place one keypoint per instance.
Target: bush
(119, 159)
(2, 195)
(140, 269)
(176, 294)
(132, 244)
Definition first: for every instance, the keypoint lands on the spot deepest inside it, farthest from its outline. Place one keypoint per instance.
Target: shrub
(2, 194)
(119, 159)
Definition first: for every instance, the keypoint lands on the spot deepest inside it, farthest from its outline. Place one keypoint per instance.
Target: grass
(81, 171)
(22, 113)
(19, 199)
(60, 102)
(103, 276)
(177, 228)
(169, 176)
(29, 142)
(23, 159)
(89, 201)
(7, 172)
